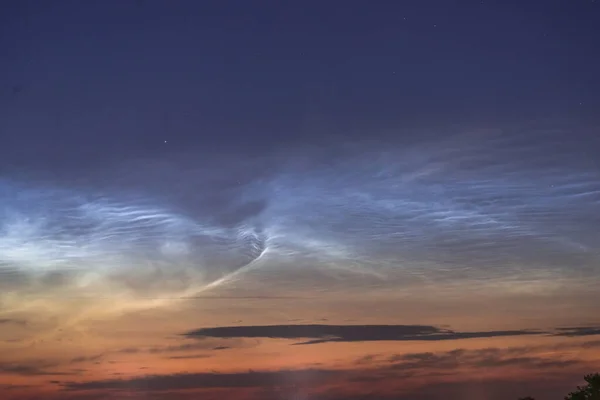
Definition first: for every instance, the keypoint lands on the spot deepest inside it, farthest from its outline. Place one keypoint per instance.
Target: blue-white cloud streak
(483, 207)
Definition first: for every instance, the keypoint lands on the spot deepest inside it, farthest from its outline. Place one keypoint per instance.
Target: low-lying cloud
(346, 333)
(578, 331)
(250, 379)
(370, 368)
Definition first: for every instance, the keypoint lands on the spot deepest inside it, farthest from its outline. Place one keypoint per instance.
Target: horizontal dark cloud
(578, 331)
(346, 333)
(192, 357)
(540, 387)
(81, 359)
(481, 358)
(7, 321)
(591, 344)
(6, 387)
(29, 369)
(251, 379)
(129, 350)
(185, 347)
(523, 356)
(374, 369)
(180, 347)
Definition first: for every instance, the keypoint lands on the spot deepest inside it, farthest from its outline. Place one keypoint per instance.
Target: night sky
(299, 200)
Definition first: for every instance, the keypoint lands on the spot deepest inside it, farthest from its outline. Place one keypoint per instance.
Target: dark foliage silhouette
(590, 391)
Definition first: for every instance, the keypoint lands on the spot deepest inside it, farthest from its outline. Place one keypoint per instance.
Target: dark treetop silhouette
(590, 391)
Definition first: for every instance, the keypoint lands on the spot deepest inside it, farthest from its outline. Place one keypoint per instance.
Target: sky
(299, 200)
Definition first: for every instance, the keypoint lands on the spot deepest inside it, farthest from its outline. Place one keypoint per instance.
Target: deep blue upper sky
(97, 80)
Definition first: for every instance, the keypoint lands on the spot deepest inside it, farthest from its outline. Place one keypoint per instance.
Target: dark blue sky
(118, 78)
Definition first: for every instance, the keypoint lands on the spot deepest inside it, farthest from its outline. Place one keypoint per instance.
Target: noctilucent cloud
(309, 201)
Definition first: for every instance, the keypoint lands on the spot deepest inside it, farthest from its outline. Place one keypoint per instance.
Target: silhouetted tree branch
(590, 391)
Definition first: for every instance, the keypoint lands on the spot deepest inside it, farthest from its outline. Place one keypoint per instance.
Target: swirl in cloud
(482, 206)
